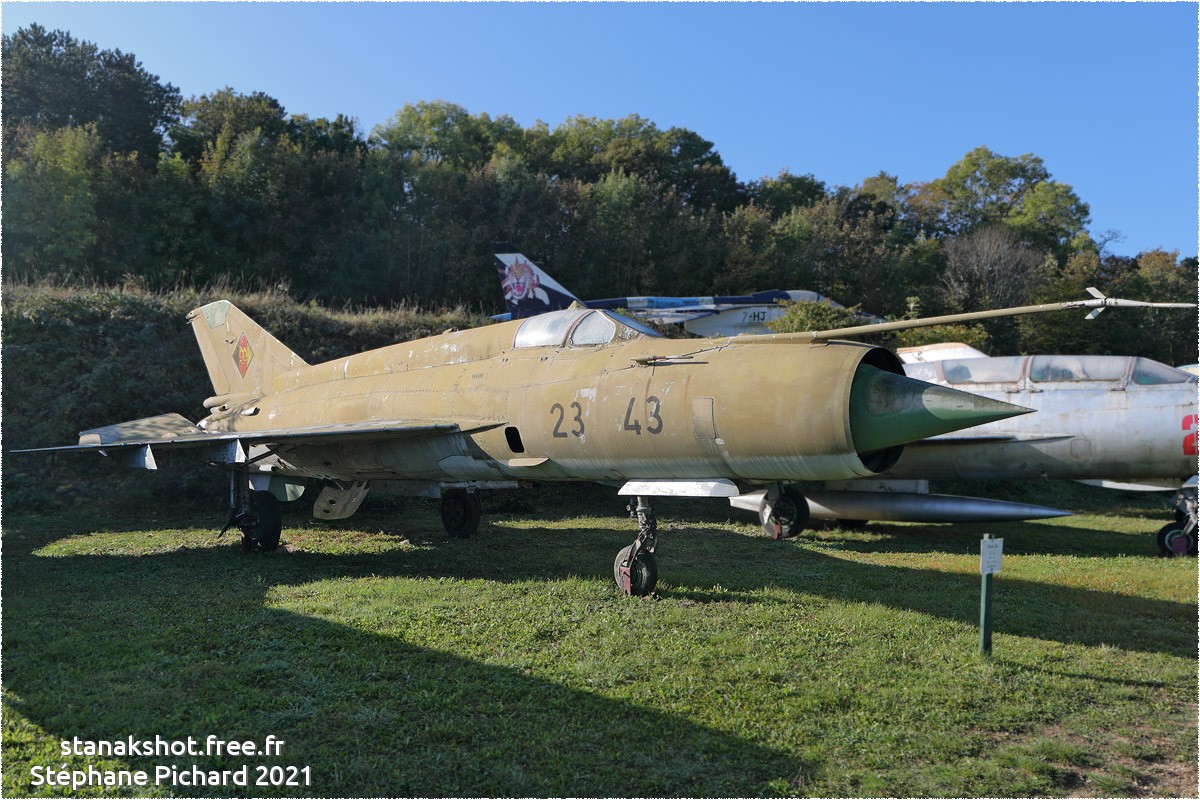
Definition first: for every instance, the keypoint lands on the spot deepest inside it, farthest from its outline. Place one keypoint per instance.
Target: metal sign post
(990, 553)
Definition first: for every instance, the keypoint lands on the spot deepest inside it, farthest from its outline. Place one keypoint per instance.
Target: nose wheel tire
(1174, 540)
(261, 528)
(784, 516)
(643, 573)
(461, 512)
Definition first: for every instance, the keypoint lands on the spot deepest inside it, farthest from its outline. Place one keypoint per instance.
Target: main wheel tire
(643, 577)
(786, 517)
(461, 512)
(1172, 541)
(261, 532)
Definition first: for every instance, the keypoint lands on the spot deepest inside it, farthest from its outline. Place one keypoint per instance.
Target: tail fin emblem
(243, 355)
(520, 281)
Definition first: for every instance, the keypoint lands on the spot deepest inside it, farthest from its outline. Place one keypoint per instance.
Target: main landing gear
(262, 526)
(256, 514)
(635, 569)
(783, 512)
(1178, 538)
(461, 512)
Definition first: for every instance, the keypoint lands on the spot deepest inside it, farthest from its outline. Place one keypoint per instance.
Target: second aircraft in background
(529, 291)
(1116, 421)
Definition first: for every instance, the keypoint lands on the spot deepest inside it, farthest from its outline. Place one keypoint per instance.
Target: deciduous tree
(986, 189)
(50, 204)
(52, 80)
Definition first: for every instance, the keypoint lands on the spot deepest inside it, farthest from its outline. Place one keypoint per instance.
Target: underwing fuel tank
(890, 506)
(913, 506)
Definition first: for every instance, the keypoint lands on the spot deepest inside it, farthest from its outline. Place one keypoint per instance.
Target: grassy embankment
(395, 661)
(77, 359)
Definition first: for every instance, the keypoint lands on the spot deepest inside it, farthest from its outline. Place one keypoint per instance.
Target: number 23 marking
(559, 433)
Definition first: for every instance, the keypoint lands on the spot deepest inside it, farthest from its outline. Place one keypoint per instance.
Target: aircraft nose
(887, 409)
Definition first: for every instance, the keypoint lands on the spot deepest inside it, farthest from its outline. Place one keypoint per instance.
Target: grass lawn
(395, 661)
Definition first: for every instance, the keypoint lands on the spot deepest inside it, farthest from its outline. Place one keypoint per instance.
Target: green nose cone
(888, 409)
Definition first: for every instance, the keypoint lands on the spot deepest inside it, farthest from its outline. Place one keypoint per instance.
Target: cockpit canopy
(580, 327)
(1135, 370)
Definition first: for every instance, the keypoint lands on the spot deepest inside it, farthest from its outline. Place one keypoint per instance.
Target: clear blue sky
(1105, 94)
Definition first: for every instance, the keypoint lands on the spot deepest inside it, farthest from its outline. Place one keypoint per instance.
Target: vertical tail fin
(528, 290)
(241, 357)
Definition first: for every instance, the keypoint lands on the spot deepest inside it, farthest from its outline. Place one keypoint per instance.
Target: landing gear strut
(635, 569)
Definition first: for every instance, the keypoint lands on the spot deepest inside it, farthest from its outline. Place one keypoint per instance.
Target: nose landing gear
(636, 569)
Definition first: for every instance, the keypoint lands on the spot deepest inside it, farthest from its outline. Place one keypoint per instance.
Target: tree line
(111, 176)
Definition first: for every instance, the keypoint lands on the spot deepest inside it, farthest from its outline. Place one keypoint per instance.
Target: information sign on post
(990, 552)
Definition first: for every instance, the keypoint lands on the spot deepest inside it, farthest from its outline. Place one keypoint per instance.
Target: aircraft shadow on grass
(1020, 538)
(371, 714)
(1051, 612)
(222, 660)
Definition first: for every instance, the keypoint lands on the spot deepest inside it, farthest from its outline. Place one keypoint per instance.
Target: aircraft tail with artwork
(528, 290)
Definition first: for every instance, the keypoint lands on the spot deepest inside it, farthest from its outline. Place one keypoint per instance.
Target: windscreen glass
(925, 371)
(1150, 373)
(547, 330)
(631, 327)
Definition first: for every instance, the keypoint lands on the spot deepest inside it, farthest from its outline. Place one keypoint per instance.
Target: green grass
(395, 661)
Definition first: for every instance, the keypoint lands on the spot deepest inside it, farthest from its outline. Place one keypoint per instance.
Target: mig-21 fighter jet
(573, 395)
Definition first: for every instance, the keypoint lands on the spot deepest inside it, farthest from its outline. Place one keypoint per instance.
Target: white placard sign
(990, 552)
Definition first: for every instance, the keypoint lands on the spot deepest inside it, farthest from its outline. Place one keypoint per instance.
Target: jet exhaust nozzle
(889, 410)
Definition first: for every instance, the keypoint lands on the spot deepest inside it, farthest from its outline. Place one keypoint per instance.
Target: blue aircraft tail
(528, 291)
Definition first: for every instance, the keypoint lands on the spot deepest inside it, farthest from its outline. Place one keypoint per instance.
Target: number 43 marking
(654, 423)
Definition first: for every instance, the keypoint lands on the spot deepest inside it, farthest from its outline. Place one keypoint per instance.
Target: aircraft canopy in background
(529, 290)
